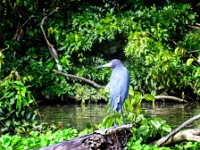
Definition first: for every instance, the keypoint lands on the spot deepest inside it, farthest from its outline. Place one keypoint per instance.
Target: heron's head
(112, 64)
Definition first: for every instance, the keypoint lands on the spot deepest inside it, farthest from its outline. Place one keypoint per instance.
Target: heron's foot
(115, 125)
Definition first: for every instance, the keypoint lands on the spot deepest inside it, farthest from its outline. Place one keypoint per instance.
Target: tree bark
(106, 139)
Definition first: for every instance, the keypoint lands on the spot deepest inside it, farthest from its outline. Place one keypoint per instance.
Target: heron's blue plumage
(119, 85)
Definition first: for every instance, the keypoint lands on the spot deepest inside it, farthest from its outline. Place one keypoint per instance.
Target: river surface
(76, 116)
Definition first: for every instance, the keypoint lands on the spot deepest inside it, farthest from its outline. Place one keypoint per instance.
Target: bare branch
(194, 27)
(19, 28)
(169, 98)
(50, 46)
(79, 78)
(186, 123)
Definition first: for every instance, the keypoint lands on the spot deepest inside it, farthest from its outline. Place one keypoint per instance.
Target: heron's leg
(114, 119)
(123, 117)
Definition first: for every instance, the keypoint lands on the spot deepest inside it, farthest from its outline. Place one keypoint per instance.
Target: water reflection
(77, 116)
(174, 113)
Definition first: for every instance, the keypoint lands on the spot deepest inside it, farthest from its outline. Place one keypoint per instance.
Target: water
(76, 116)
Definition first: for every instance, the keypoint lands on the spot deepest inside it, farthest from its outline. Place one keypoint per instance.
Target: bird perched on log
(119, 85)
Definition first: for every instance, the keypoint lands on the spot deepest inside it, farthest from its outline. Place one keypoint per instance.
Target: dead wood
(79, 78)
(186, 135)
(175, 131)
(52, 50)
(196, 26)
(106, 139)
(173, 98)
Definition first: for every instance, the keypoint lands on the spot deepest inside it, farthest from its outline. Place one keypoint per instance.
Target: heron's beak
(106, 65)
(99, 67)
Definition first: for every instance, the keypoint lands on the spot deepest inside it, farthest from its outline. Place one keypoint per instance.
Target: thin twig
(19, 28)
(193, 51)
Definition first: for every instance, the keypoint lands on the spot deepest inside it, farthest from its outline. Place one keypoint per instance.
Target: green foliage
(17, 105)
(191, 57)
(149, 46)
(154, 41)
(132, 145)
(36, 139)
(149, 38)
(187, 145)
(149, 129)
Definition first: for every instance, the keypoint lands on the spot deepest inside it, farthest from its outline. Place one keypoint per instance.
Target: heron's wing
(119, 86)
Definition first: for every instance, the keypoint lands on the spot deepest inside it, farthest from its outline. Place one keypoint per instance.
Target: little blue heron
(119, 85)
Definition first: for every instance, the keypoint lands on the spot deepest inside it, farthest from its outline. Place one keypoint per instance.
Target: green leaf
(144, 130)
(149, 97)
(24, 102)
(8, 123)
(23, 91)
(156, 124)
(12, 100)
(19, 83)
(6, 141)
(19, 102)
(189, 61)
(10, 95)
(166, 128)
(131, 91)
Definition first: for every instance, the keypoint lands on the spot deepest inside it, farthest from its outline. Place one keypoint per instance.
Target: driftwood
(181, 135)
(106, 139)
(186, 135)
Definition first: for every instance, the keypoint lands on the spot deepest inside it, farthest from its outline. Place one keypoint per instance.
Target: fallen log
(106, 139)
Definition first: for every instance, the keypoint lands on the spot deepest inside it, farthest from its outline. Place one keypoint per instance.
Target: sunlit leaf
(190, 61)
(149, 97)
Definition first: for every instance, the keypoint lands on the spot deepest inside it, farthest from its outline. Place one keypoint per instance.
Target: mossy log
(106, 139)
